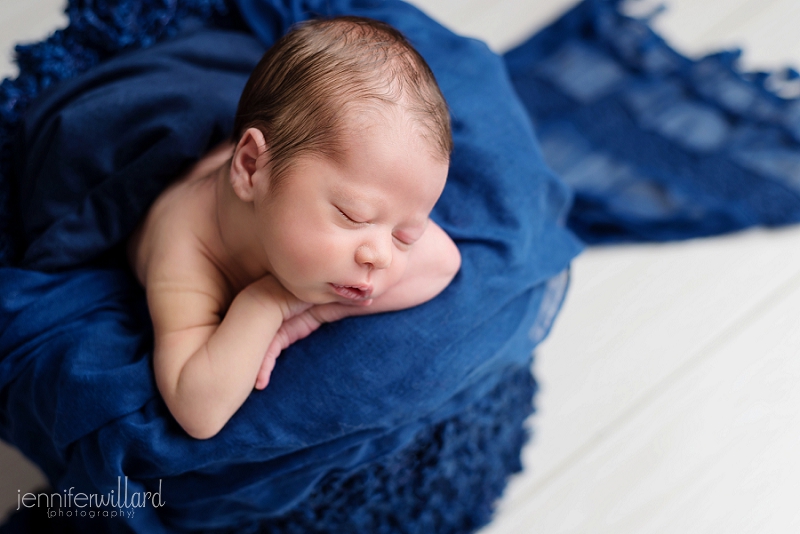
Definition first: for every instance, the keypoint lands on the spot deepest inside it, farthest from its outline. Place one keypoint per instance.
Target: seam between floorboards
(707, 350)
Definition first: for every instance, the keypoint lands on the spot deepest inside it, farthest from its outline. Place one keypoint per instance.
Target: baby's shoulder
(184, 287)
(169, 255)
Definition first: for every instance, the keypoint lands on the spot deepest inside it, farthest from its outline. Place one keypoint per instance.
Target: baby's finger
(328, 313)
(262, 380)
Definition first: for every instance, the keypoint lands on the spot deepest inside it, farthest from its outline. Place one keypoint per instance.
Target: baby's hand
(299, 326)
(269, 291)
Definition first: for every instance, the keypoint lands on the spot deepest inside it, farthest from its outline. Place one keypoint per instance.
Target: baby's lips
(354, 293)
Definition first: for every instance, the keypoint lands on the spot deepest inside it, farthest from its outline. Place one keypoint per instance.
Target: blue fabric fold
(75, 358)
(80, 194)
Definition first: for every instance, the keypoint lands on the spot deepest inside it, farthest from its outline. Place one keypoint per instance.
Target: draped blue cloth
(78, 394)
(653, 146)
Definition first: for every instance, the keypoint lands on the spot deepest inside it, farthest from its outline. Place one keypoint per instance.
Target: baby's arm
(204, 366)
(433, 262)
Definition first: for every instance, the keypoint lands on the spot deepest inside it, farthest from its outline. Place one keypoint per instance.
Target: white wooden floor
(669, 397)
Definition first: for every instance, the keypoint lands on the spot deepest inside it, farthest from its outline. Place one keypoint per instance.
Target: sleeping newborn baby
(318, 210)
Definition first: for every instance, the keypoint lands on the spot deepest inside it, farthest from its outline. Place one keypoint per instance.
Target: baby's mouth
(352, 292)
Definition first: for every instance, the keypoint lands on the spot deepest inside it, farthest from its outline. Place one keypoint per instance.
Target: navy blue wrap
(76, 383)
(407, 421)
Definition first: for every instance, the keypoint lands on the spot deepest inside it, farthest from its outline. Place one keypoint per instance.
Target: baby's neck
(231, 242)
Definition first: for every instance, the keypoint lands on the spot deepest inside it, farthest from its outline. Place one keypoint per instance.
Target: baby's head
(315, 80)
(342, 148)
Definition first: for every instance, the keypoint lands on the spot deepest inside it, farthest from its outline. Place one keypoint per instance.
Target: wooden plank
(621, 336)
(502, 24)
(17, 474)
(714, 450)
(693, 28)
(764, 29)
(28, 21)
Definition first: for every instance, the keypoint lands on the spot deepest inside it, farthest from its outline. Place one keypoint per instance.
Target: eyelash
(403, 243)
(352, 221)
(346, 216)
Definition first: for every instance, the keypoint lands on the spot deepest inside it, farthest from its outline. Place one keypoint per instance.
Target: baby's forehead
(401, 128)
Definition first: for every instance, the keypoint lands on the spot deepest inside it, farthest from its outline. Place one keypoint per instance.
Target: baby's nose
(376, 254)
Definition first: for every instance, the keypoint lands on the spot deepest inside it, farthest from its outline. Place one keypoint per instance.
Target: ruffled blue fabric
(654, 145)
(405, 421)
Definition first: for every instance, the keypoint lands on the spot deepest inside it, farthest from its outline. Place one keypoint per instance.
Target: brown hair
(300, 90)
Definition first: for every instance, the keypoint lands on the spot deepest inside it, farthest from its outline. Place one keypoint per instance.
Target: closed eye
(402, 244)
(347, 217)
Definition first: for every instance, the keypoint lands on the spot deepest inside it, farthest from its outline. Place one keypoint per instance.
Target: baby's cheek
(397, 269)
(310, 254)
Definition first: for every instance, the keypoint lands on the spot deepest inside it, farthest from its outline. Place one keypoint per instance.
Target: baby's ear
(247, 164)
